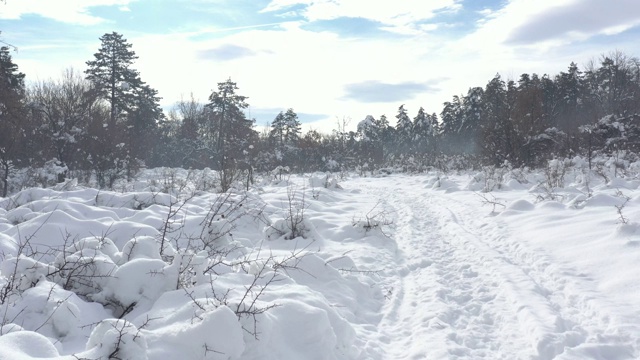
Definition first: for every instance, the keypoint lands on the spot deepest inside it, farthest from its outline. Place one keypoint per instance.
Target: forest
(104, 123)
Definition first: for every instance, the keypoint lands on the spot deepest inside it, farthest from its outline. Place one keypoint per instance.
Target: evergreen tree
(143, 120)
(570, 89)
(13, 123)
(285, 136)
(472, 112)
(434, 125)
(421, 130)
(404, 130)
(497, 137)
(371, 146)
(278, 130)
(235, 134)
(451, 116)
(134, 106)
(385, 130)
(292, 127)
(368, 129)
(112, 76)
(435, 129)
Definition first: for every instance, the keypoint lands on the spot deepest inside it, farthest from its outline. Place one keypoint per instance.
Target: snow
(497, 264)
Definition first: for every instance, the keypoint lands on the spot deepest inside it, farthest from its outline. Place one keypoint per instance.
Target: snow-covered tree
(422, 132)
(570, 95)
(371, 145)
(285, 137)
(404, 129)
(61, 109)
(471, 112)
(498, 135)
(368, 129)
(143, 120)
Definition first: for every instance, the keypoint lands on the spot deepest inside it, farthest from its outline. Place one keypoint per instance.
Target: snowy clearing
(428, 266)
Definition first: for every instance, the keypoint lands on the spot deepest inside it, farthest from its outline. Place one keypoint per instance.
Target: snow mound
(26, 345)
(604, 200)
(521, 205)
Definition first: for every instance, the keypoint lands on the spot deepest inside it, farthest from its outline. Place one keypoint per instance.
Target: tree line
(106, 123)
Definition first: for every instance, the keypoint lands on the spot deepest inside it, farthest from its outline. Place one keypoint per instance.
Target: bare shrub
(376, 218)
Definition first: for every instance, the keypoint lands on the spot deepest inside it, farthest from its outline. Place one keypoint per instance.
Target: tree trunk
(5, 178)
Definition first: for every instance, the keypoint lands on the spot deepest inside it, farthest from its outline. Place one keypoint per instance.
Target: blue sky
(326, 59)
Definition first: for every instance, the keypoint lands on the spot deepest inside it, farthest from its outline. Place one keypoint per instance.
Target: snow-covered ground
(490, 265)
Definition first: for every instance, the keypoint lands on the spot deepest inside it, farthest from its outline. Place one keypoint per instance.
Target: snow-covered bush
(555, 172)
(84, 268)
(294, 222)
(21, 273)
(489, 179)
(374, 219)
(116, 339)
(327, 181)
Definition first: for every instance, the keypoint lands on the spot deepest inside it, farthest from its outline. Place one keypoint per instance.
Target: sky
(332, 61)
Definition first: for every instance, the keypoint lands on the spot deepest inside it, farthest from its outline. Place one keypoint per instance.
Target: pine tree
(112, 76)
(404, 128)
(471, 112)
(278, 130)
(570, 91)
(434, 145)
(435, 125)
(497, 137)
(368, 129)
(385, 130)
(143, 120)
(235, 134)
(452, 116)
(421, 130)
(134, 106)
(13, 122)
(292, 128)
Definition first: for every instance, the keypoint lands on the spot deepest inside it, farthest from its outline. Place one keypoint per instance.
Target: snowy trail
(464, 287)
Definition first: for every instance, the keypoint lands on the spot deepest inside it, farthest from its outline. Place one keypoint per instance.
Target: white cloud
(398, 16)
(276, 5)
(68, 11)
(553, 23)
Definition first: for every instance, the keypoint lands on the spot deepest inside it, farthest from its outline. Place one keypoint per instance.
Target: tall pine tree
(13, 122)
(134, 106)
(112, 76)
(235, 133)
(421, 130)
(404, 129)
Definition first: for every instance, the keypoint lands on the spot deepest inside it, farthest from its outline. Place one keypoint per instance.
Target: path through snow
(463, 286)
